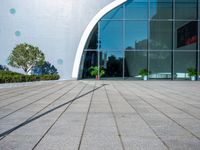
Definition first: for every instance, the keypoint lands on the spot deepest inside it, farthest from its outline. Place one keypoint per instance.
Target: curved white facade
(87, 32)
(56, 27)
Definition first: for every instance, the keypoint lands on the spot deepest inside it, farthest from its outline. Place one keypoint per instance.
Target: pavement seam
(21, 99)
(178, 100)
(4, 134)
(163, 142)
(33, 102)
(22, 90)
(71, 102)
(167, 116)
(85, 123)
(115, 119)
(164, 101)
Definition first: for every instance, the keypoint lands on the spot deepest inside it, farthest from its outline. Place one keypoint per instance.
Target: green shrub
(144, 72)
(10, 77)
(191, 72)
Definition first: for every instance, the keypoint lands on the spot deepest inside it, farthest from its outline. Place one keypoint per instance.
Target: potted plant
(192, 73)
(94, 70)
(144, 73)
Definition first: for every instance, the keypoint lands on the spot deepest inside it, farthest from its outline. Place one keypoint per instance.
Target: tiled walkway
(102, 115)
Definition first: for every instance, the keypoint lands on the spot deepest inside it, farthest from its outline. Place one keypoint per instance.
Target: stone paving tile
(124, 115)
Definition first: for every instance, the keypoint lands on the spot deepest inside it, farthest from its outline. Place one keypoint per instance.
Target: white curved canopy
(87, 32)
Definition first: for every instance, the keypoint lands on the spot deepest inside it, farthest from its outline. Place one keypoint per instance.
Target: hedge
(11, 77)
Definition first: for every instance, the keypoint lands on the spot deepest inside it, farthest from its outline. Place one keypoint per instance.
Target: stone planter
(145, 78)
(193, 78)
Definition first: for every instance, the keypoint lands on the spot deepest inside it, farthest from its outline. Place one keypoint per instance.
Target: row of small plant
(94, 71)
(10, 77)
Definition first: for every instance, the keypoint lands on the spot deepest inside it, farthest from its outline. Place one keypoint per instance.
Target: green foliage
(191, 72)
(144, 72)
(94, 71)
(4, 68)
(10, 77)
(26, 56)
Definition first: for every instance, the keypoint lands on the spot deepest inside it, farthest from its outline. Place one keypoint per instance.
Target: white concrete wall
(55, 26)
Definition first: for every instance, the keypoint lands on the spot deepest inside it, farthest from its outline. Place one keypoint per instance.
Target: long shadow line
(36, 100)
(22, 91)
(28, 96)
(2, 135)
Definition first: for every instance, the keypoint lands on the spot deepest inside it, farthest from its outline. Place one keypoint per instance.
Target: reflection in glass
(92, 42)
(186, 9)
(161, 10)
(186, 37)
(134, 62)
(89, 58)
(161, 35)
(136, 35)
(112, 62)
(182, 61)
(160, 64)
(126, 32)
(111, 35)
(136, 10)
(116, 13)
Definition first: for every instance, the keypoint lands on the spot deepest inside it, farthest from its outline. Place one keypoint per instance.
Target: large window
(186, 9)
(112, 63)
(136, 35)
(161, 9)
(111, 35)
(159, 35)
(183, 61)
(160, 65)
(137, 10)
(134, 62)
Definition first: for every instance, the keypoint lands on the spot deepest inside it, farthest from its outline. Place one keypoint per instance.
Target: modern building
(120, 36)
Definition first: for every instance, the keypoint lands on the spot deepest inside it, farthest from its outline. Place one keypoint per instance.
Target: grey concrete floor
(101, 115)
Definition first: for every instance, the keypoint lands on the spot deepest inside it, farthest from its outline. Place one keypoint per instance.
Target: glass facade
(159, 35)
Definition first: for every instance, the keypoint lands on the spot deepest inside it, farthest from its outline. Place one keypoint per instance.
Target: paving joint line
(167, 116)
(58, 118)
(21, 90)
(24, 98)
(115, 119)
(33, 102)
(178, 100)
(162, 141)
(31, 117)
(164, 101)
(85, 122)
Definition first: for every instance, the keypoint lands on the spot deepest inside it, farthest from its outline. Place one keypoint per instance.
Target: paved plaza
(101, 115)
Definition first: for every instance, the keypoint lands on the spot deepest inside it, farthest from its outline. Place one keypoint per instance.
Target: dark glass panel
(136, 35)
(160, 65)
(136, 10)
(161, 35)
(112, 62)
(182, 61)
(186, 37)
(116, 13)
(111, 35)
(186, 9)
(161, 10)
(92, 42)
(199, 65)
(89, 58)
(134, 62)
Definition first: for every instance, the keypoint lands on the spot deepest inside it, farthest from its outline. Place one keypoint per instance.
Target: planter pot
(193, 78)
(145, 78)
(97, 78)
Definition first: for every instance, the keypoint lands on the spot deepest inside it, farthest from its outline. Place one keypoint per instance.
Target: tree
(26, 56)
(4, 68)
(46, 68)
